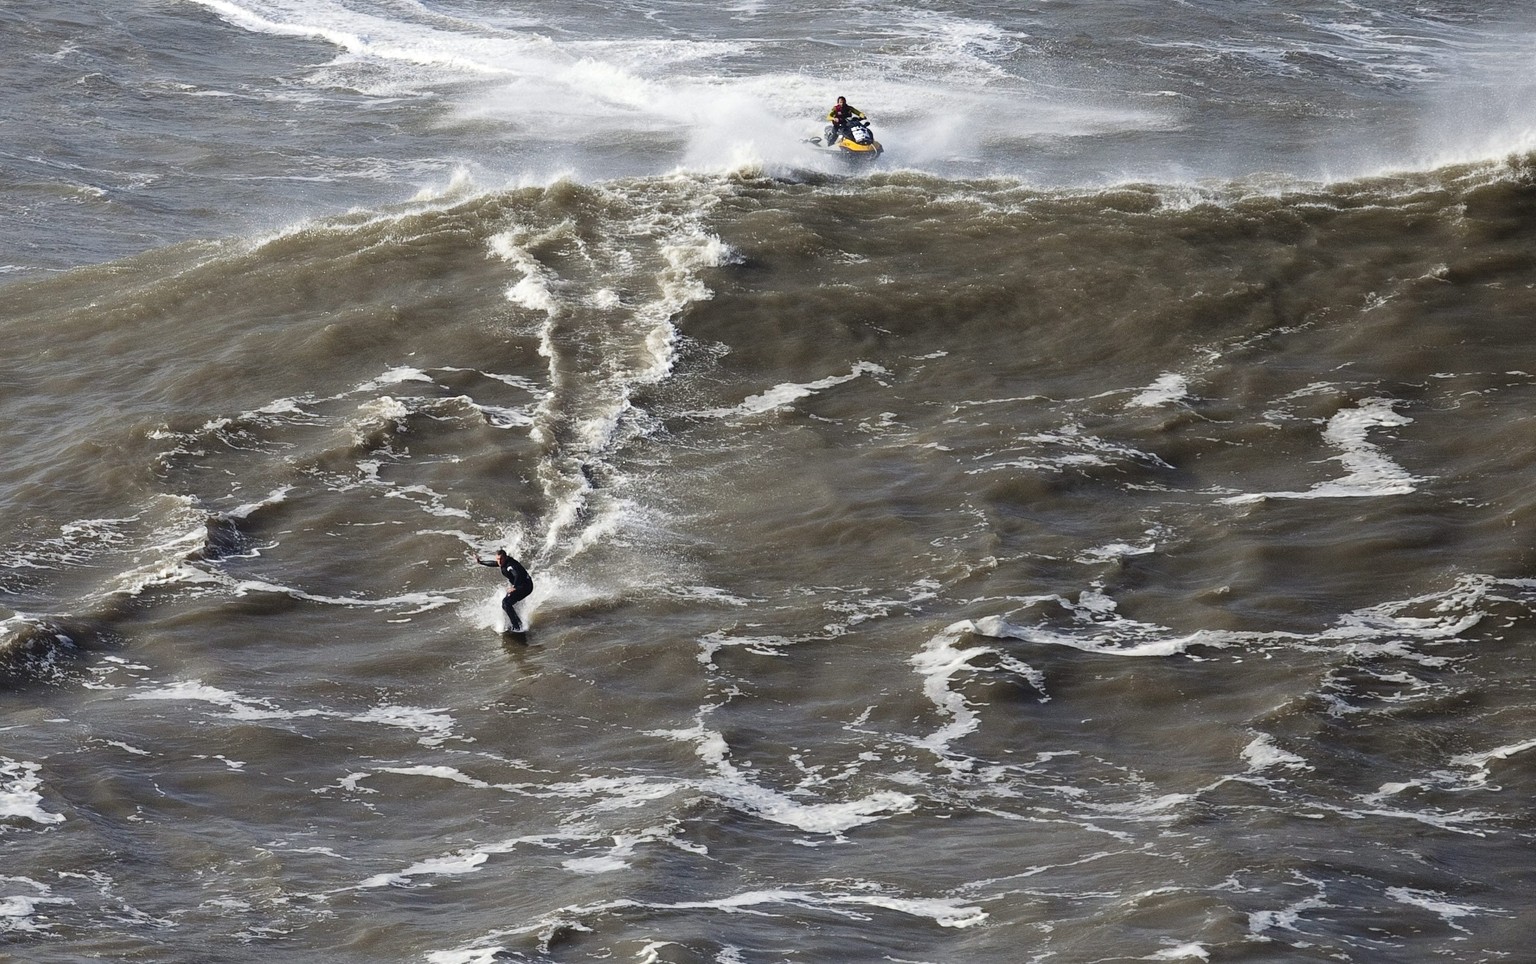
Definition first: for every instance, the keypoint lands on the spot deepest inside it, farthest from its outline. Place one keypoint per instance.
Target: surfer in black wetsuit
(522, 584)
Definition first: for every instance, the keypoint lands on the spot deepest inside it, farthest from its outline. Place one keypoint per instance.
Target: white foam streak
(395, 376)
(452, 865)
(736, 789)
(1454, 612)
(613, 857)
(276, 497)
(1386, 630)
(1369, 472)
(1458, 821)
(20, 794)
(1069, 447)
(944, 912)
(536, 289)
(413, 603)
(434, 726)
(1105, 643)
(1440, 905)
(1287, 918)
(477, 955)
(181, 572)
(851, 899)
(938, 663)
(501, 417)
(1169, 389)
(1117, 551)
(18, 911)
(238, 707)
(586, 415)
(783, 396)
(1482, 762)
(1263, 754)
(370, 36)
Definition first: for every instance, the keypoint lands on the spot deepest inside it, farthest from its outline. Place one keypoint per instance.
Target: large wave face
(1099, 530)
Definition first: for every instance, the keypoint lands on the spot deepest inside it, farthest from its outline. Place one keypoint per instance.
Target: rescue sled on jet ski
(855, 141)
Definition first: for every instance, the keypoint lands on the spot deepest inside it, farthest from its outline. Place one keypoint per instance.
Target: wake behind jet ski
(848, 133)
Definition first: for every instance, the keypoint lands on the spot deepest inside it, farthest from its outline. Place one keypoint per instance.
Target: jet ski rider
(841, 113)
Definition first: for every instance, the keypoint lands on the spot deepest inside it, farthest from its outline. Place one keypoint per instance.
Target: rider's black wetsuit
(522, 585)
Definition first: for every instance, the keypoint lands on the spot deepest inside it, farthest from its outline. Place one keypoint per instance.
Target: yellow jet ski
(856, 141)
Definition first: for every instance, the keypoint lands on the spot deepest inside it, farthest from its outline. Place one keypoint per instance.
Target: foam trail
(19, 910)
(1370, 473)
(586, 415)
(944, 912)
(1167, 390)
(733, 786)
(939, 662)
(783, 396)
(1440, 905)
(386, 40)
(1481, 763)
(1106, 643)
(20, 793)
(433, 726)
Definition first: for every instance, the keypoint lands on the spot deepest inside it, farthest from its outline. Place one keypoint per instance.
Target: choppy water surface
(1097, 533)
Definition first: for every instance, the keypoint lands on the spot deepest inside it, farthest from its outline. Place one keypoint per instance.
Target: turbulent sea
(1102, 530)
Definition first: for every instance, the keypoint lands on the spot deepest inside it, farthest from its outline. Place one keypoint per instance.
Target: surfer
(522, 584)
(841, 113)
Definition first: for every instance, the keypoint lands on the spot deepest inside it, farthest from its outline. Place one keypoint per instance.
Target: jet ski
(857, 144)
